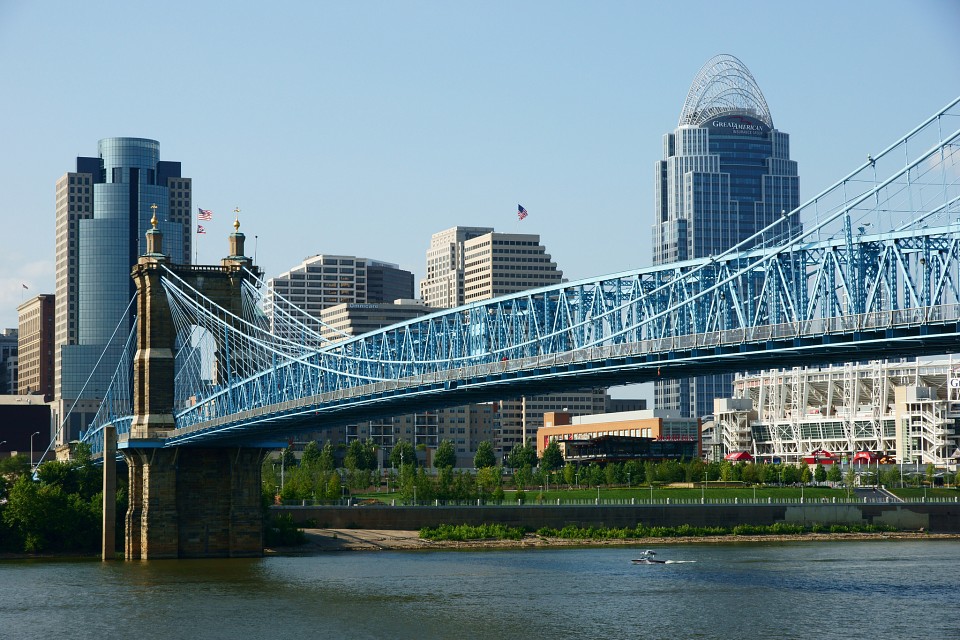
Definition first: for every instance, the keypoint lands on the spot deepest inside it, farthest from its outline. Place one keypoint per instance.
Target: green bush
(571, 532)
(283, 532)
(469, 532)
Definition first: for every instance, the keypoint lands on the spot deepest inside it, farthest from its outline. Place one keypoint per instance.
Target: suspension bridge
(869, 268)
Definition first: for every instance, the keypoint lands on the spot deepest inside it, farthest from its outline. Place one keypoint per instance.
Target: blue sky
(364, 127)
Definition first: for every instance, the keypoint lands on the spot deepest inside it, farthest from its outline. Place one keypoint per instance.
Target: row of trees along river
(58, 509)
(330, 474)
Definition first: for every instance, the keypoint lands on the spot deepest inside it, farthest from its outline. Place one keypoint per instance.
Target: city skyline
(353, 133)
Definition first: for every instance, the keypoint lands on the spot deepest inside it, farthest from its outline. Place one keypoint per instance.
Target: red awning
(820, 455)
(739, 456)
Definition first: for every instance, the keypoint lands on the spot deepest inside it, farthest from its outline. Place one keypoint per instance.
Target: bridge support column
(109, 538)
(194, 503)
(132, 540)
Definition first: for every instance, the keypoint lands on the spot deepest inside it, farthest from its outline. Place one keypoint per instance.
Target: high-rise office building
(468, 264)
(103, 211)
(35, 347)
(497, 264)
(726, 174)
(9, 361)
(443, 286)
(323, 281)
(387, 282)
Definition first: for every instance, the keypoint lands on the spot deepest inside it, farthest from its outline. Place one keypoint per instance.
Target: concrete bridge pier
(188, 502)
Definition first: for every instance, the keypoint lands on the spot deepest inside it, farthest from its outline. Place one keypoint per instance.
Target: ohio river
(870, 590)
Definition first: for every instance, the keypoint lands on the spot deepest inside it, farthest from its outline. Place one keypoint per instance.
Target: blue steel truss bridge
(867, 269)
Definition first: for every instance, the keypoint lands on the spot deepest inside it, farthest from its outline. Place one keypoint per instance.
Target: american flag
(521, 212)
(200, 229)
(205, 214)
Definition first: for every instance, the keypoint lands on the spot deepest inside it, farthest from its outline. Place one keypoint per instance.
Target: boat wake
(650, 557)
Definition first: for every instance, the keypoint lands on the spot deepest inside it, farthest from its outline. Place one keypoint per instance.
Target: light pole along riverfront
(33, 468)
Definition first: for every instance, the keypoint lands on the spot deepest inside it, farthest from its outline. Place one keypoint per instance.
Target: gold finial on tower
(154, 220)
(236, 219)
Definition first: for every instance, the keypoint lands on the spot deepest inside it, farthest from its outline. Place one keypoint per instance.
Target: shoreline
(321, 541)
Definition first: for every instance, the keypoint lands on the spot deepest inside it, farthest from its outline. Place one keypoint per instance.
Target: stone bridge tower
(185, 502)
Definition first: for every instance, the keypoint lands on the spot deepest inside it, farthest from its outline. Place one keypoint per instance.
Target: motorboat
(648, 557)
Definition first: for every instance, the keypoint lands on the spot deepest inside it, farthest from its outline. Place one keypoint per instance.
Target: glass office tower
(103, 213)
(726, 173)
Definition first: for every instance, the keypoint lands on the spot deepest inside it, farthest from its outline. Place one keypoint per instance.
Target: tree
(328, 461)
(791, 474)
(819, 473)
(403, 455)
(569, 474)
(361, 455)
(595, 475)
(334, 490)
(522, 455)
(522, 477)
(552, 458)
(610, 474)
(634, 471)
(445, 484)
(489, 479)
(890, 477)
(446, 456)
(311, 455)
(850, 478)
(15, 465)
(62, 510)
(695, 470)
(834, 474)
(484, 457)
(763, 473)
(649, 471)
(805, 475)
(287, 457)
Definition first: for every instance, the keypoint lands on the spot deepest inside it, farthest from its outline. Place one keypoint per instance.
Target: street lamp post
(32, 468)
(703, 489)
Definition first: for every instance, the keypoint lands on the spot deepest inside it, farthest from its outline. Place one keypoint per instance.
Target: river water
(869, 590)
